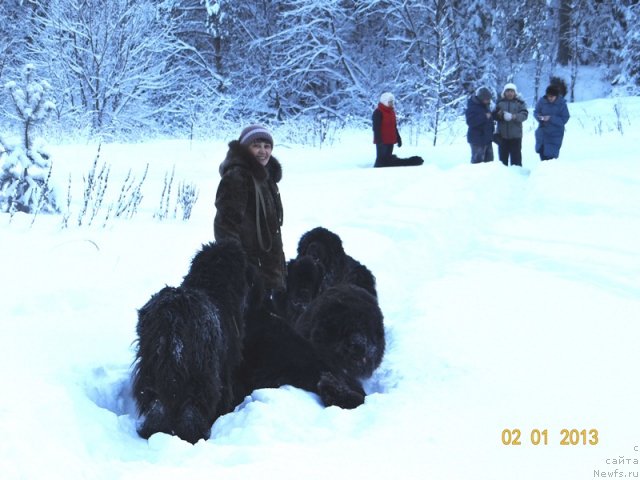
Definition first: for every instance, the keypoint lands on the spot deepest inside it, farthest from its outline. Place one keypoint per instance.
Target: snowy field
(511, 300)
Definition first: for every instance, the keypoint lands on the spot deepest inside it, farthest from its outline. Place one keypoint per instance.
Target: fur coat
(243, 217)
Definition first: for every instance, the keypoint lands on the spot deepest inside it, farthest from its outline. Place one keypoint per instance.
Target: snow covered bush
(95, 184)
(25, 167)
(185, 198)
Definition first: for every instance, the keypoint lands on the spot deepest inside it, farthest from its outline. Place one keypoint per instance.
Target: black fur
(394, 161)
(345, 324)
(325, 247)
(190, 344)
(304, 281)
(276, 355)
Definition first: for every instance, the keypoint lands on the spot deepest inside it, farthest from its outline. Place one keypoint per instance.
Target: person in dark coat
(385, 129)
(248, 204)
(552, 114)
(480, 122)
(511, 111)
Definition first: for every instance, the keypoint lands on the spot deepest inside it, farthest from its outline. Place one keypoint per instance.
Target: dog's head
(349, 329)
(352, 349)
(322, 245)
(304, 278)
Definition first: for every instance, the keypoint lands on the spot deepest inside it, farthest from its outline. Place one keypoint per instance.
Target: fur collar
(240, 156)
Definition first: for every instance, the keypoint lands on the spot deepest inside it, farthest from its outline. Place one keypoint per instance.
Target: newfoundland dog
(190, 344)
(332, 302)
(325, 247)
(344, 323)
(274, 354)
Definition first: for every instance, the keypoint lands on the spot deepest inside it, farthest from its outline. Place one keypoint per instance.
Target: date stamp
(565, 437)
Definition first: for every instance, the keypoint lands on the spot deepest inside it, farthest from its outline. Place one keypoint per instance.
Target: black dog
(325, 247)
(344, 323)
(343, 320)
(304, 282)
(275, 355)
(190, 345)
(394, 161)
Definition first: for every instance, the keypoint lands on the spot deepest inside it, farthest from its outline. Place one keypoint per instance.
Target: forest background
(128, 70)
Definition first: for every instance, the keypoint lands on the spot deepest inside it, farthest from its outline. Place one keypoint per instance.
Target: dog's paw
(340, 392)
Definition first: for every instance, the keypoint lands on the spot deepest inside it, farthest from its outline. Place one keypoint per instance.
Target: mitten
(399, 141)
(507, 116)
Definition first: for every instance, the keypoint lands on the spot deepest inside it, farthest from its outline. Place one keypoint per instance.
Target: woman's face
(262, 151)
(551, 98)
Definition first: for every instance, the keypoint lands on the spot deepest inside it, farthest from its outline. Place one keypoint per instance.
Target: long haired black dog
(275, 355)
(394, 161)
(189, 345)
(345, 323)
(342, 319)
(325, 247)
(304, 282)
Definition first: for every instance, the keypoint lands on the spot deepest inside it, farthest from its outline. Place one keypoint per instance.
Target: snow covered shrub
(186, 197)
(25, 168)
(321, 130)
(95, 184)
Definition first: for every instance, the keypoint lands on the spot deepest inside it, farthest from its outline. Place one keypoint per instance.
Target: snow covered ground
(511, 300)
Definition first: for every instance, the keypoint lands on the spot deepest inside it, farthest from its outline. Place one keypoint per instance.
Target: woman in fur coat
(248, 205)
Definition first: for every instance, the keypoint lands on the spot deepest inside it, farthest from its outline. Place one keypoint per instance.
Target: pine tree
(26, 168)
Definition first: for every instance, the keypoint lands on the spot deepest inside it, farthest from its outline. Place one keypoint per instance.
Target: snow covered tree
(565, 13)
(107, 58)
(630, 68)
(12, 45)
(445, 95)
(477, 43)
(205, 62)
(426, 75)
(127, 68)
(312, 69)
(15, 27)
(26, 167)
(540, 29)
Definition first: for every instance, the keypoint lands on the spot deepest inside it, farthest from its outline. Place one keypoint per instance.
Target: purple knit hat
(255, 132)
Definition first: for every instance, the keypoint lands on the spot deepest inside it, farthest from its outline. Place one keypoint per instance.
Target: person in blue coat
(480, 122)
(552, 114)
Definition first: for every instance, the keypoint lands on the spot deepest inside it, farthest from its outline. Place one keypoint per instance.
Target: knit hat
(552, 91)
(510, 86)
(483, 93)
(386, 98)
(255, 132)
